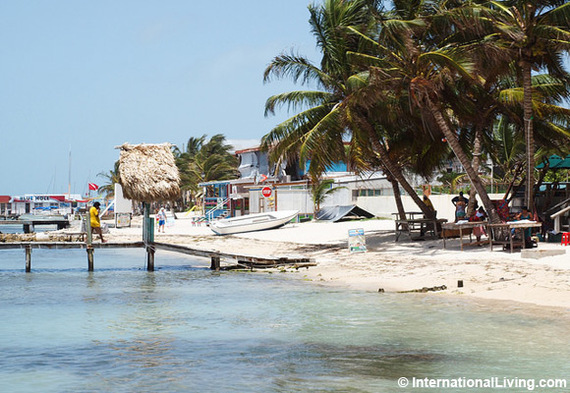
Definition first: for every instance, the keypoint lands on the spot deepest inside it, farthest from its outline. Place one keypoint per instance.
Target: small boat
(253, 222)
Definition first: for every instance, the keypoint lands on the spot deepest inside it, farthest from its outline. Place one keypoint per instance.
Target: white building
(46, 203)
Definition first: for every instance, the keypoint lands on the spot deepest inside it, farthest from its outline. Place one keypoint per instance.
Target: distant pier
(29, 224)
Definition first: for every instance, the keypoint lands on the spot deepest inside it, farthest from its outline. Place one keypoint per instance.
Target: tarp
(337, 213)
(556, 162)
(564, 164)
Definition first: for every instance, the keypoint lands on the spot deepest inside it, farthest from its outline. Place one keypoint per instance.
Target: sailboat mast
(69, 176)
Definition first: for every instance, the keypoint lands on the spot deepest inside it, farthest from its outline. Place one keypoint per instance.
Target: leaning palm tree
(536, 33)
(321, 128)
(315, 131)
(409, 62)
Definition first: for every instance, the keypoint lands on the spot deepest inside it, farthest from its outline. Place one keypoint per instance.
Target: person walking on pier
(96, 221)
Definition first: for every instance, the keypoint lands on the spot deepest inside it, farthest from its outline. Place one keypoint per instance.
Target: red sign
(266, 191)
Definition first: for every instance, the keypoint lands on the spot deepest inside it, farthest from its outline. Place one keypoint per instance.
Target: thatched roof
(148, 173)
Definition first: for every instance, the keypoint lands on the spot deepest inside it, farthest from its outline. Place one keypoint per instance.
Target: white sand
(393, 266)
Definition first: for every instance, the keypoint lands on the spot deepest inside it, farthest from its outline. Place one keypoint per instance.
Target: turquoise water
(184, 328)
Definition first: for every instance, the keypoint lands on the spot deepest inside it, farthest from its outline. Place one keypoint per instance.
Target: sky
(78, 78)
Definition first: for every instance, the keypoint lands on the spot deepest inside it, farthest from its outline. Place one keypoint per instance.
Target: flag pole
(69, 176)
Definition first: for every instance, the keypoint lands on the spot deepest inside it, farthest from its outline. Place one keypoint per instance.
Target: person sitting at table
(478, 231)
(481, 213)
(526, 215)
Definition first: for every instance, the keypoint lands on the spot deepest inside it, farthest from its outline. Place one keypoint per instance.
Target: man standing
(95, 221)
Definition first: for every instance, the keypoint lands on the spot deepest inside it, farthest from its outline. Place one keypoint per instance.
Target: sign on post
(356, 240)
(266, 192)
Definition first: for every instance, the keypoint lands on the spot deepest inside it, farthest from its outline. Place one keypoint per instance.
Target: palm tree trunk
(462, 157)
(516, 172)
(529, 137)
(476, 162)
(397, 196)
(397, 174)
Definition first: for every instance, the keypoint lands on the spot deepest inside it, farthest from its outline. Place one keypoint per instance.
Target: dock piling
(90, 264)
(215, 262)
(28, 259)
(150, 258)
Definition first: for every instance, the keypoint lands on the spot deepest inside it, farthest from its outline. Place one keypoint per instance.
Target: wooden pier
(242, 260)
(29, 225)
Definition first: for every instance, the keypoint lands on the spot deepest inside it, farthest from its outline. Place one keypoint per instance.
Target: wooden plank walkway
(68, 245)
(242, 260)
(249, 260)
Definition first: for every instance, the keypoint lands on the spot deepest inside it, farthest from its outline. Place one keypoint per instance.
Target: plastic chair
(565, 239)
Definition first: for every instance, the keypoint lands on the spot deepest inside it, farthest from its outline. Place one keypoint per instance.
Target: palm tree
(315, 132)
(320, 131)
(111, 177)
(320, 189)
(535, 33)
(409, 61)
(203, 161)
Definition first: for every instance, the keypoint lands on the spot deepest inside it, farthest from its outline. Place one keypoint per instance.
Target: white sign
(356, 240)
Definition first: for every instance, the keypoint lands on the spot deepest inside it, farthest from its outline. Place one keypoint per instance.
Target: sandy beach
(406, 265)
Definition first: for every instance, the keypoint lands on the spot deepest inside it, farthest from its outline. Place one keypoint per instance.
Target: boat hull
(253, 222)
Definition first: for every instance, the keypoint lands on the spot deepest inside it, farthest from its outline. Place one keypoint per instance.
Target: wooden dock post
(150, 258)
(87, 225)
(89, 241)
(148, 236)
(148, 224)
(215, 262)
(90, 264)
(28, 258)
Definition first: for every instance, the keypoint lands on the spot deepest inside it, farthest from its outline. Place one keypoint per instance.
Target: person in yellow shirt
(95, 220)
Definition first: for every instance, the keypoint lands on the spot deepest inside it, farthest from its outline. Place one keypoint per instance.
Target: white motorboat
(253, 222)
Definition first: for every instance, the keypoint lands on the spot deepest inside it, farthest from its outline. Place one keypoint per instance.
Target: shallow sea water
(184, 328)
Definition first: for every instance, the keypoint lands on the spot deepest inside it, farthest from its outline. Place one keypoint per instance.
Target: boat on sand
(253, 222)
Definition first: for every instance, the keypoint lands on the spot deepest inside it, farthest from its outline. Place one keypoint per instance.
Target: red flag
(93, 186)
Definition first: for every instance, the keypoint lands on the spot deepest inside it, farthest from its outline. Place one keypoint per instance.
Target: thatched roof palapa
(148, 173)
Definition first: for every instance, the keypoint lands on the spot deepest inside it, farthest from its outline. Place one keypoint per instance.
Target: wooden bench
(424, 225)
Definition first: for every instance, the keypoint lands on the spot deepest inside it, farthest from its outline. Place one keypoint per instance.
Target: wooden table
(421, 224)
(507, 238)
(467, 227)
(409, 215)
